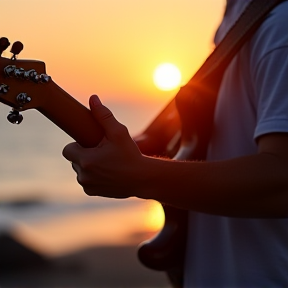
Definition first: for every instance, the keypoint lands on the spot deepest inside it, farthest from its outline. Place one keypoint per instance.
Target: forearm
(253, 186)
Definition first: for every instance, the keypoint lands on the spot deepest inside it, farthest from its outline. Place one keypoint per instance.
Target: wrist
(152, 178)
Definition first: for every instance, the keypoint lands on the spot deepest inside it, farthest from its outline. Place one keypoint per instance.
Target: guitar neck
(71, 116)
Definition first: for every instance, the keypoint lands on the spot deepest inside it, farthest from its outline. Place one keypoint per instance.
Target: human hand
(114, 167)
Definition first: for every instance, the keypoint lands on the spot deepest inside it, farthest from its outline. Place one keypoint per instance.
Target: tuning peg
(9, 70)
(3, 88)
(15, 117)
(4, 43)
(23, 99)
(44, 78)
(16, 48)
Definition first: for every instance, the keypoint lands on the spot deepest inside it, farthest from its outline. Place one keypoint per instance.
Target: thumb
(105, 117)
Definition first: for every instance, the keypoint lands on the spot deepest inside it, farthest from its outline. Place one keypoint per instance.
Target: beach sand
(85, 249)
(98, 267)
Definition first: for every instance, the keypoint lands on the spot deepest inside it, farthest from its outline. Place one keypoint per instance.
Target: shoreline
(98, 267)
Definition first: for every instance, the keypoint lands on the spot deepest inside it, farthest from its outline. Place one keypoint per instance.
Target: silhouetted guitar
(25, 85)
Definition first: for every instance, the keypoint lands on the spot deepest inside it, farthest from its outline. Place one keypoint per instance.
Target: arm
(253, 186)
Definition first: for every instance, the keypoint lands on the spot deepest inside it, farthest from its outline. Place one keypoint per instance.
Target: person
(237, 199)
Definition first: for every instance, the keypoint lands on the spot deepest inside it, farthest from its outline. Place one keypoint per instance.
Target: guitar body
(166, 251)
(195, 106)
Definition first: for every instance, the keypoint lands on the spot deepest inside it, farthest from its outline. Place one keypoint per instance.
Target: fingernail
(95, 101)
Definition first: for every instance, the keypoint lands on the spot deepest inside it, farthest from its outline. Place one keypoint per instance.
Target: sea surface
(30, 153)
(39, 194)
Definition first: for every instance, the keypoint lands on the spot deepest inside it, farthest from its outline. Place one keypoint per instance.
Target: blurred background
(51, 233)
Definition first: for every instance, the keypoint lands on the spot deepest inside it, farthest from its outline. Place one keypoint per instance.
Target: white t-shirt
(253, 101)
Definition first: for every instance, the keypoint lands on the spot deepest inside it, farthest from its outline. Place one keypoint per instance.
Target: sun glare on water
(155, 217)
(167, 77)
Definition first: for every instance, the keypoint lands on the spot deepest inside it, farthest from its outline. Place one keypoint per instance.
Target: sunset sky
(111, 47)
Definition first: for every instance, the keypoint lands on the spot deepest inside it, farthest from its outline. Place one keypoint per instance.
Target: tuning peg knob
(16, 48)
(19, 73)
(15, 117)
(4, 43)
(30, 74)
(3, 88)
(45, 78)
(9, 70)
(23, 99)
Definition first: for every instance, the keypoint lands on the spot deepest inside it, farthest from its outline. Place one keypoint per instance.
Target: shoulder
(272, 34)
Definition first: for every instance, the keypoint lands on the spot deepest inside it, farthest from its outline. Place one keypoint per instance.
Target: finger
(106, 119)
(71, 152)
(102, 191)
(75, 167)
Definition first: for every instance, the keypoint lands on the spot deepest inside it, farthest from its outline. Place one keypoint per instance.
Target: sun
(167, 76)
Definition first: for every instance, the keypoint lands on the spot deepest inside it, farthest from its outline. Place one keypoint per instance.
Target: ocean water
(39, 194)
(31, 163)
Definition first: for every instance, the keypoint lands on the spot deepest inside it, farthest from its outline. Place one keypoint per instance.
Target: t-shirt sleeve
(270, 73)
(271, 84)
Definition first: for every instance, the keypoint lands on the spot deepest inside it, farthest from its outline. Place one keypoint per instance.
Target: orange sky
(111, 47)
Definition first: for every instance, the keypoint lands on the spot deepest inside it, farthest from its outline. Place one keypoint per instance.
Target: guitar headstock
(21, 82)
